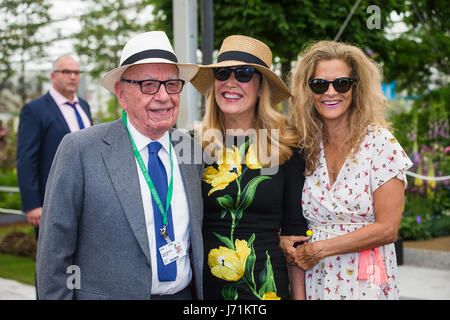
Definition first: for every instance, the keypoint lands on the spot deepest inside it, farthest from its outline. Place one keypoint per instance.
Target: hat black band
(154, 53)
(240, 56)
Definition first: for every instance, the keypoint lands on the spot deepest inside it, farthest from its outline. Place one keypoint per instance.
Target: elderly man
(122, 216)
(43, 124)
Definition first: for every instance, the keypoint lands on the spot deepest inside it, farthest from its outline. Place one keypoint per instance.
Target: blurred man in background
(43, 123)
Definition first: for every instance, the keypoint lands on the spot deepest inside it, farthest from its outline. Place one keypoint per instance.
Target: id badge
(172, 252)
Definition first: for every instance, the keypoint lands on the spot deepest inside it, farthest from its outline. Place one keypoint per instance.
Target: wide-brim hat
(237, 50)
(148, 47)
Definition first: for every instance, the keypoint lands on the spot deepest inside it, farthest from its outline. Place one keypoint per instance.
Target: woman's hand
(307, 255)
(287, 246)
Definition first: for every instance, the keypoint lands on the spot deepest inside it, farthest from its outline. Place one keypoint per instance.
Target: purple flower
(416, 158)
(411, 136)
(369, 51)
(444, 130)
(447, 150)
(419, 219)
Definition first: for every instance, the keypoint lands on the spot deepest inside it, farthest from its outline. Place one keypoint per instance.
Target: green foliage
(423, 47)
(440, 226)
(424, 133)
(20, 41)
(422, 218)
(17, 268)
(425, 127)
(416, 221)
(286, 26)
(20, 244)
(28, 229)
(112, 111)
(8, 174)
(9, 200)
(8, 140)
(105, 29)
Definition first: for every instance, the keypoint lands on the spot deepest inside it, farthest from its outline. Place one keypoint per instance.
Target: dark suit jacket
(41, 129)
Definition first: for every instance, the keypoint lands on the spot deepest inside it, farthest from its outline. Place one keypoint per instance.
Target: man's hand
(34, 216)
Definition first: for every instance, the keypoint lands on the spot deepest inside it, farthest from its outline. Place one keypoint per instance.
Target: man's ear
(118, 90)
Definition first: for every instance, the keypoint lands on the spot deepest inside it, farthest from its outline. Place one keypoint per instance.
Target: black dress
(242, 256)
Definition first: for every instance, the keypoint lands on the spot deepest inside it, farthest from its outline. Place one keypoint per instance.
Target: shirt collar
(142, 141)
(60, 99)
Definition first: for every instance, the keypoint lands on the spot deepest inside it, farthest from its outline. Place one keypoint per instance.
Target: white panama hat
(148, 47)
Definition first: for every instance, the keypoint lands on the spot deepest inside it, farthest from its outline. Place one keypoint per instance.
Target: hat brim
(204, 79)
(186, 72)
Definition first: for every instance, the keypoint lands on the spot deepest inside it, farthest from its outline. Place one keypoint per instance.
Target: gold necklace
(331, 167)
(332, 173)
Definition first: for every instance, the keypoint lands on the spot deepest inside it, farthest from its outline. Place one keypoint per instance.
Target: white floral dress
(346, 206)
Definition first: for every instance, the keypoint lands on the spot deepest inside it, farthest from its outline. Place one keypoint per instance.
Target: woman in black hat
(253, 177)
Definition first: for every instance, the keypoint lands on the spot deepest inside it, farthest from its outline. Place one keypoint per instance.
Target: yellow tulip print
(229, 264)
(236, 261)
(251, 158)
(209, 174)
(270, 296)
(230, 169)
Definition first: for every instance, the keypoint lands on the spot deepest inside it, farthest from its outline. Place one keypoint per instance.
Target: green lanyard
(147, 176)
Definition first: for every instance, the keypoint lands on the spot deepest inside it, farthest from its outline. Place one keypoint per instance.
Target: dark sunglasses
(341, 85)
(242, 74)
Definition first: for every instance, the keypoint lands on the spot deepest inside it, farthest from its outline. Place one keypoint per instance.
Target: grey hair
(55, 63)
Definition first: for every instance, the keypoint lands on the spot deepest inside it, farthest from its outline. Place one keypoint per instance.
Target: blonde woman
(252, 189)
(355, 175)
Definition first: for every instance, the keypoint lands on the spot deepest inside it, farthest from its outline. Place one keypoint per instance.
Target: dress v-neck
(322, 148)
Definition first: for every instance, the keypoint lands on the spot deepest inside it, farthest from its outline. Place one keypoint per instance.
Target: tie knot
(73, 105)
(154, 147)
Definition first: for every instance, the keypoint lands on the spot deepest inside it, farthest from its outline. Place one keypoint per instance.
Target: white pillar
(185, 44)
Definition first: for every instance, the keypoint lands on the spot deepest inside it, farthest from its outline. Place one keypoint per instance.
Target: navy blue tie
(74, 106)
(158, 174)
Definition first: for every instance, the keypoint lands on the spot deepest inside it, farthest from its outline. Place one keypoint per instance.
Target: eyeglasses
(242, 74)
(152, 86)
(68, 72)
(341, 85)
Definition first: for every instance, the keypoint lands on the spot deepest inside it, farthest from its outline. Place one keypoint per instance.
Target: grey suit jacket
(93, 218)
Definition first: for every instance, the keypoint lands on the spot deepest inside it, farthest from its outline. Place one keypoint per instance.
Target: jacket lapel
(120, 163)
(188, 174)
(56, 112)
